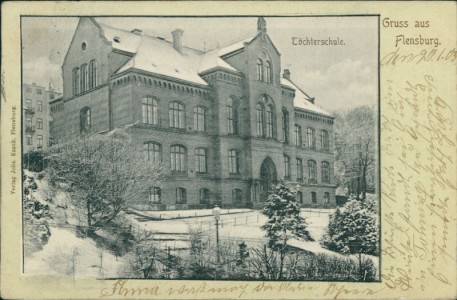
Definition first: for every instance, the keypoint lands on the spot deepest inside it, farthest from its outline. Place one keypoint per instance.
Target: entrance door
(267, 178)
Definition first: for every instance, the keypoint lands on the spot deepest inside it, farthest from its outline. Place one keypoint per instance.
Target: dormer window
(83, 46)
(117, 39)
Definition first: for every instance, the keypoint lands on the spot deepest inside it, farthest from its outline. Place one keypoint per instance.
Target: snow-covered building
(226, 122)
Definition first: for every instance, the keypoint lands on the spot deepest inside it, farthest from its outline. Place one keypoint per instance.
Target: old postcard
(221, 150)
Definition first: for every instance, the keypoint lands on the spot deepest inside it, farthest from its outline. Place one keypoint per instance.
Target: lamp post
(217, 216)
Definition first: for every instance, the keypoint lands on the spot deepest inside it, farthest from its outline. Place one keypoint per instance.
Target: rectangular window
(313, 197)
(39, 91)
(178, 159)
(39, 122)
(181, 195)
(40, 106)
(199, 119)
(28, 139)
(28, 104)
(326, 198)
(233, 162)
(28, 90)
(299, 169)
(310, 138)
(237, 196)
(155, 194)
(286, 167)
(28, 123)
(40, 140)
(204, 196)
(299, 197)
(312, 171)
(200, 160)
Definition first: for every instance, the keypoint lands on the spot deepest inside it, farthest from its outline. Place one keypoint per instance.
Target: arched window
(298, 135)
(199, 118)
(152, 152)
(310, 138)
(155, 194)
(178, 158)
(286, 167)
(324, 140)
(176, 115)
(285, 126)
(299, 169)
(204, 196)
(84, 78)
(232, 116)
(268, 73)
(181, 195)
(84, 119)
(269, 121)
(259, 69)
(325, 172)
(260, 120)
(76, 81)
(311, 171)
(92, 74)
(200, 160)
(150, 108)
(237, 196)
(234, 162)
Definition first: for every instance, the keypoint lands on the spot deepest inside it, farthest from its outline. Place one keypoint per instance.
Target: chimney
(177, 39)
(286, 74)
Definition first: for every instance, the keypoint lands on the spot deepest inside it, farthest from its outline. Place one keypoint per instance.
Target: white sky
(338, 77)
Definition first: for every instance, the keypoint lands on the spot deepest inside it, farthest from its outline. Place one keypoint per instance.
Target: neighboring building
(225, 122)
(36, 116)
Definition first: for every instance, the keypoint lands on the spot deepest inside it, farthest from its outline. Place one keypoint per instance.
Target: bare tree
(355, 150)
(103, 173)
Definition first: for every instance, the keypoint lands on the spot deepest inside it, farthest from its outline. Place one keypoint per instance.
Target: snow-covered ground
(176, 214)
(63, 249)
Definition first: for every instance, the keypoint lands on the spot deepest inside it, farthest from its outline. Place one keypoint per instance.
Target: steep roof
(302, 100)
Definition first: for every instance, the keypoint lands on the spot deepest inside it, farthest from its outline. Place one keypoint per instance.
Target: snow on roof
(302, 100)
(158, 56)
(121, 39)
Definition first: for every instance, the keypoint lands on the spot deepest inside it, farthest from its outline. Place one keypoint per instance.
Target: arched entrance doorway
(267, 177)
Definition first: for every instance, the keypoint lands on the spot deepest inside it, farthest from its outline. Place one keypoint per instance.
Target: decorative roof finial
(261, 25)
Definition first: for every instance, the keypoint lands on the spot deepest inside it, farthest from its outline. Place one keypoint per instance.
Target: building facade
(226, 123)
(36, 116)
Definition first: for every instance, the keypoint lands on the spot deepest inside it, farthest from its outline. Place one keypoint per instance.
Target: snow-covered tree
(103, 173)
(353, 230)
(284, 221)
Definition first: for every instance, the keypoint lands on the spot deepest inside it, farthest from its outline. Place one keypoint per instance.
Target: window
(326, 198)
(178, 158)
(92, 74)
(28, 122)
(200, 160)
(259, 119)
(154, 194)
(232, 116)
(40, 106)
(150, 111)
(298, 136)
(233, 162)
(181, 195)
(270, 118)
(83, 46)
(285, 126)
(84, 78)
(310, 138)
(237, 196)
(51, 96)
(204, 196)
(199, 118)
(39, 91)
(299, 169)
(299, 197)
(28, 90)
(152, 152)
(75, 80)
(268, 74)
(324, 140)
(176, 115)
(28, 103)
(40, 140)
(286, 167)
(325, 170)
(259, 70)
(84, 119)
(312, 171)
(28, 139)
(39, 123)
(313, 197)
